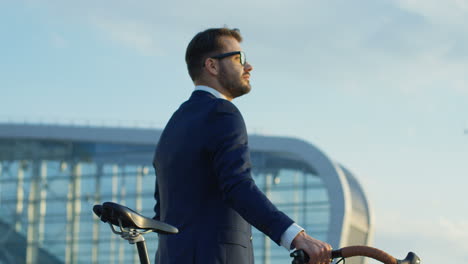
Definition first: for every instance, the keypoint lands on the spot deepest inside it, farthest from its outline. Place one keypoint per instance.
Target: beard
(233, 84)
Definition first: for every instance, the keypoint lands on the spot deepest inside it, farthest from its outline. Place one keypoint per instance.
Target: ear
(212, 66)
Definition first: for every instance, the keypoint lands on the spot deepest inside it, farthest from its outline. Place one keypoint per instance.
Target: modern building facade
(52, 175)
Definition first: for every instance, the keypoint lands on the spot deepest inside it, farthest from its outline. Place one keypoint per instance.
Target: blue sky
(380, 86)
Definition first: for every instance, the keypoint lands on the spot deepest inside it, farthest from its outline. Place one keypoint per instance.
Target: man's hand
(318, 251)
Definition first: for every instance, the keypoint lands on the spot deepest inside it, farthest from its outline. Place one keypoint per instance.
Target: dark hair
(205, 44)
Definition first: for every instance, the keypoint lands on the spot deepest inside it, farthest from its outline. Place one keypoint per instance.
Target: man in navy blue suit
(204, 184)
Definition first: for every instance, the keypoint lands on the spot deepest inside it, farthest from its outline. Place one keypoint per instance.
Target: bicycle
(134, 225)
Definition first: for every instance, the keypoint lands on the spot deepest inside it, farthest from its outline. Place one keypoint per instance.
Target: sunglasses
(242, 58)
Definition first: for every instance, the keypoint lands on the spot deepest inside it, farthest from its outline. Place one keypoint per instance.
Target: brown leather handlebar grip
(370, 252)
(300, 257)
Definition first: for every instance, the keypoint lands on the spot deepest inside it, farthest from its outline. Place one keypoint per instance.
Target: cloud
(120, 21)
(453, 12)
(401, 49)
(58, 41)
(405, 46)
(455, 231)
(133, 34)
(422, 235)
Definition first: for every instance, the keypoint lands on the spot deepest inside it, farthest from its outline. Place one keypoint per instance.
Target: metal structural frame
(345, 193)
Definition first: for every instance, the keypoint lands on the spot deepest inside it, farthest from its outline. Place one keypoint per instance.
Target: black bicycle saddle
(111, 212)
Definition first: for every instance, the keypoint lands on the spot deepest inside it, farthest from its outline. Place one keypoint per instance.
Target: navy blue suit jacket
(205, 188)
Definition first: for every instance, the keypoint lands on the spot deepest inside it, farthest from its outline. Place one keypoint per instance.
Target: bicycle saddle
(111, 212)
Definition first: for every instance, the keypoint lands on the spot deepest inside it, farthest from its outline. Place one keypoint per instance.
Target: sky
(380, 86)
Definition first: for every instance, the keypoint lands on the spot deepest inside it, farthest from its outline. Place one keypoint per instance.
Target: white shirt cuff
(288, 236)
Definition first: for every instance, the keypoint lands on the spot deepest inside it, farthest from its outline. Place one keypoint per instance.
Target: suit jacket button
(251, 238)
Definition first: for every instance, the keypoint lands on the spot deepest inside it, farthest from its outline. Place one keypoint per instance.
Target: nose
(248, 67)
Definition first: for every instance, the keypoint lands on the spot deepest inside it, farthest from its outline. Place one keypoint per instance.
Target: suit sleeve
(232, 166)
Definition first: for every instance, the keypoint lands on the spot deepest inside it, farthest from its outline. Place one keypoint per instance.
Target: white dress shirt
(288, 236)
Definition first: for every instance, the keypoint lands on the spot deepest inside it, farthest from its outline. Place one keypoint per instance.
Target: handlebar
(300, 257)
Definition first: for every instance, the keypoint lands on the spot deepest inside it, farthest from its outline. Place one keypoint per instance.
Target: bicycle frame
(133, 236)
(133, 226)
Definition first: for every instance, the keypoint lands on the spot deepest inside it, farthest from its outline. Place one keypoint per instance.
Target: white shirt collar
(210, 90)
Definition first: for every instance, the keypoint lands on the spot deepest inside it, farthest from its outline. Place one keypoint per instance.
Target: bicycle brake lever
(300, 257)
(411, 258)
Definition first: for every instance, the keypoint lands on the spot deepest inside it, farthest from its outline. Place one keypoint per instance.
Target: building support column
(139, 188)
(19, 195)
(115, 182)
(73, 215)
(36, 211)
(42, 201)
(123, 195)
(304, 199)
(138, 199)
(266, 239)
(97, 221)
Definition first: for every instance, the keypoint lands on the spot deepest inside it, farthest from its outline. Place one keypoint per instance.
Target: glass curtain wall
(48, 189)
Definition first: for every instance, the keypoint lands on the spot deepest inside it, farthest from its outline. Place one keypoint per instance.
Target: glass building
(52, 175)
